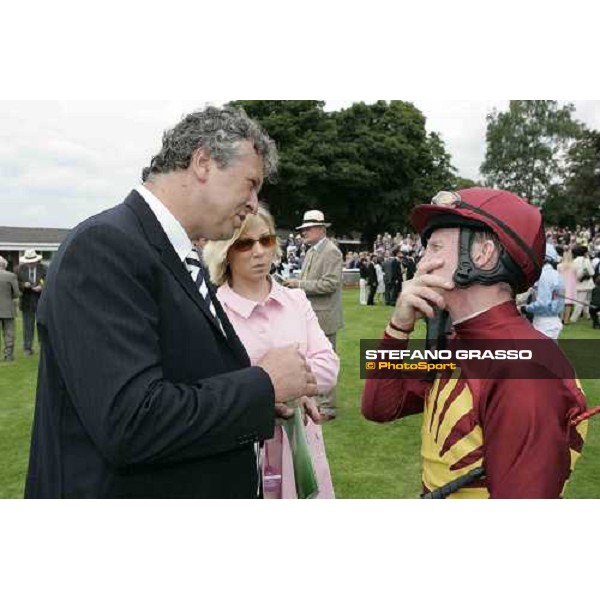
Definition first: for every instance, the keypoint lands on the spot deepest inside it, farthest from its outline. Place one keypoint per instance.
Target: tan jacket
(9, 290)
(581, 265)
(321, 279)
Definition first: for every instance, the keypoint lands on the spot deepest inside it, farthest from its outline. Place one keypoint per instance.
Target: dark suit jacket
(139, 392)
(371, 275)
(391, 270)
(29, 298)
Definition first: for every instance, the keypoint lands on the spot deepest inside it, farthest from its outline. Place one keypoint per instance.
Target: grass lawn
(368, 460)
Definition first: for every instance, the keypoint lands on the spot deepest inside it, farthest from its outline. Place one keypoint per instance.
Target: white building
(15, 240)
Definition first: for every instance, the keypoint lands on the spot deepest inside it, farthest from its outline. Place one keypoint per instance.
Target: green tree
(461, 183)
(576, 201)
(556, 209)
(304, 135)
(527, 145)
(383, 164)
(441, 175)
(583, 179)
(365, 166)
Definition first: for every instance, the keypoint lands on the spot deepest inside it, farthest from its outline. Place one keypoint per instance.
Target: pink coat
(286, 317)
(568, 273)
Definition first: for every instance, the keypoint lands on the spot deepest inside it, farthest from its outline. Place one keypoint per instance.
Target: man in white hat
(31, 275)
(321, 279)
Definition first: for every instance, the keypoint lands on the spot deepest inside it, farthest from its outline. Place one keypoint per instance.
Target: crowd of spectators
(579, 266)
(382, 270)
(589, 237)
(293, 251)
(394, 259)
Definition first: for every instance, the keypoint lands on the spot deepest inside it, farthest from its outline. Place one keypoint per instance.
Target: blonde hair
(215, 253)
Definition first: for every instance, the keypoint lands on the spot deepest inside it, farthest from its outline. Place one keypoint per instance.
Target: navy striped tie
(196, 270)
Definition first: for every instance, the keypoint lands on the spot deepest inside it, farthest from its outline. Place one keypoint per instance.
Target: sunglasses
(245, 244)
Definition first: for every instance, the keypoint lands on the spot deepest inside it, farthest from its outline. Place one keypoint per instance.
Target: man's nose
(252, 203)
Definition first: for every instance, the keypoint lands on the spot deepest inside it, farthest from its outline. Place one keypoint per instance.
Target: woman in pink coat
(566, 269)
(267, 315)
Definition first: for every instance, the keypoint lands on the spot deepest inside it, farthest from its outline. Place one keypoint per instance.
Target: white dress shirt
(171, 226)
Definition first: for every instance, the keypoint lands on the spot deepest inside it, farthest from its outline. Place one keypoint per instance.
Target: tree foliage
(527, 146)
(462, 183)
(365, 166)
(583, 180)
(577, 201)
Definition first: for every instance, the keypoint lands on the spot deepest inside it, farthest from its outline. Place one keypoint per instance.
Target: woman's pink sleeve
(321, 357)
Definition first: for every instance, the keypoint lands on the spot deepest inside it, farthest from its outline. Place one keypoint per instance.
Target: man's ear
(485, 255)
(201, 164)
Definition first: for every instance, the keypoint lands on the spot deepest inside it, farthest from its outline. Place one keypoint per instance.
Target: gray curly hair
(220, 131)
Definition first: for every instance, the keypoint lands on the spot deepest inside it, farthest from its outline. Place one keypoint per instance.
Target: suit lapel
(158, 238)
(234, 341)
(307, 264)
(311, 257)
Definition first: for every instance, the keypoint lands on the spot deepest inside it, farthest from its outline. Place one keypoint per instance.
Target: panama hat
(31, 256)
(313, 218)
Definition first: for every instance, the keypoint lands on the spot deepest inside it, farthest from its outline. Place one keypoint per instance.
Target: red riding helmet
(517, 224)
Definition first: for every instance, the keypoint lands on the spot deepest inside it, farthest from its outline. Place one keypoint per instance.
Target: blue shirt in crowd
(549, 298)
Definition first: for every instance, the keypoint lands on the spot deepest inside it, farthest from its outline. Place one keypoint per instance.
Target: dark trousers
(594, 315)
(396, 292)
(28, 330)
(389, 293)
(371, 298)
(8, 330)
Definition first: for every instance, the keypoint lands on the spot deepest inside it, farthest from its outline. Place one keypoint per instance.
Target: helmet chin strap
(467, 273)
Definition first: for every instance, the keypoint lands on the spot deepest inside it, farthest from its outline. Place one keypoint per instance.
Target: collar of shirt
(471, 316)
(318, 245)
(171, 226)
(244, 306)
(482, 323)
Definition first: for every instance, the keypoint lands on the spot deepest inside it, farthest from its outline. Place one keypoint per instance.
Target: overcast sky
(61, 162)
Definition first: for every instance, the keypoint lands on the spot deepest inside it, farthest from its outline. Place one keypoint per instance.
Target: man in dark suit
(396, 275)
(409, 264)
(392, 277)
(144, 389)
(31, 274)
(371, 279)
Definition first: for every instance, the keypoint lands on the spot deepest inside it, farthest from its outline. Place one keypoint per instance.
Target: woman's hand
(310, 409)
(308, 406)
